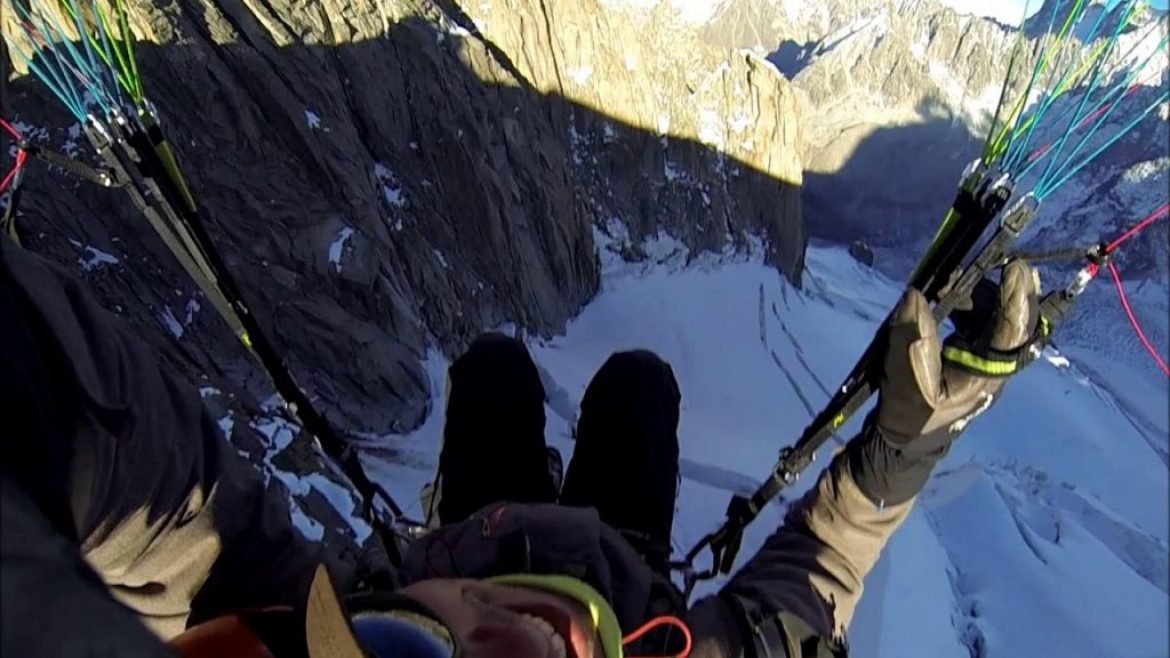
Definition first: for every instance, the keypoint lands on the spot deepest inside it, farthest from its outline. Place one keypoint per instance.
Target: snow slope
(1043, 533)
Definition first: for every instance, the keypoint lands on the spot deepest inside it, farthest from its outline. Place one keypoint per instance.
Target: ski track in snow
(1044, 532)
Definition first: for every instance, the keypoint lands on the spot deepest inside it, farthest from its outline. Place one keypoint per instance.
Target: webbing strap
(997, 363)
(71, 166)
(149, 200)
(981, 365)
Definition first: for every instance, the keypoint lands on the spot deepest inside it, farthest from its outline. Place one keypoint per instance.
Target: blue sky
(1010, 11)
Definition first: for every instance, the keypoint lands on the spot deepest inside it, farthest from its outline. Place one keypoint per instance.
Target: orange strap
(657, 622)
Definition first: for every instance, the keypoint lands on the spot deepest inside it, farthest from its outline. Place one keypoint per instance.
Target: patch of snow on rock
(338, 247)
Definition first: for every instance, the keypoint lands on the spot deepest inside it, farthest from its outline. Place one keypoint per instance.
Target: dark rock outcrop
(862, 253)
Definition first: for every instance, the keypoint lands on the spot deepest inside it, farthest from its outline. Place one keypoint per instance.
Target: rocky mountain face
(885, 84)
(388, 177)
(898, 96)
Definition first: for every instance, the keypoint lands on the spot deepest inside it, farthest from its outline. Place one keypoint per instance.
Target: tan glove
(929, 392)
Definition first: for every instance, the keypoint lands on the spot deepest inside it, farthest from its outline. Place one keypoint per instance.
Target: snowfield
(1043, 533)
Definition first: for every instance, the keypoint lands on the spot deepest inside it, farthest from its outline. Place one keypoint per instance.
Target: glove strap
(989, 362)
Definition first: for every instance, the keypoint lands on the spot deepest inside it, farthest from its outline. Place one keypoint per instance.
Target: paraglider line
(1137, 327)
(1141, 226)
(1066, 83)
(1068, 174)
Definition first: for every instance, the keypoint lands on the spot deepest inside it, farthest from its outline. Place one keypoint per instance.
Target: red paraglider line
(21, 156)
(1137, 327)
(1109, 249)
(1141, 226)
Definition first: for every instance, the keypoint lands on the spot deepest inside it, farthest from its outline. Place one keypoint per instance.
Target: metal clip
(1020, 215)
(1098, 257)
(972, 176)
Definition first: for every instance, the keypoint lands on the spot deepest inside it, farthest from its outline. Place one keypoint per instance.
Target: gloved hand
(929, 392)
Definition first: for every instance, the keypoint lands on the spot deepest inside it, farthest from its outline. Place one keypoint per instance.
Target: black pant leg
(493, 441)
(625, 462)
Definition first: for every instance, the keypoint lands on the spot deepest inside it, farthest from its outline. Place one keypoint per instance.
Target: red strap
(1133, 320)
(657, 622)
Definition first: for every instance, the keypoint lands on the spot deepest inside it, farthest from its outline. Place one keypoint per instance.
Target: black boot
(493, 441)
(625, 463)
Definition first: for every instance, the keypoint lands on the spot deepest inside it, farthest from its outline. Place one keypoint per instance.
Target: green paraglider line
(1009, 130)
(989, 141)
(118, 45)
(1092, 115)
(128, 39)
(102, 49)
(988, 158)
(1115, 94)
(1070, 78)
(119, 56)
(1104, 109)
(1066, 81)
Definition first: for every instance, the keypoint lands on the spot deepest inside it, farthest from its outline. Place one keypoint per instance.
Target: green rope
(1010, 131)
(128, 36)
(133, 88)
